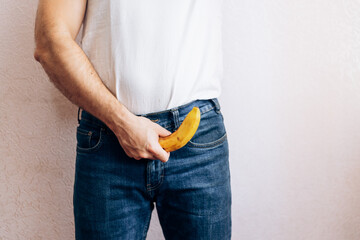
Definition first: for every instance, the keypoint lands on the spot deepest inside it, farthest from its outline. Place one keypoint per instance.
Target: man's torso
(156, 55)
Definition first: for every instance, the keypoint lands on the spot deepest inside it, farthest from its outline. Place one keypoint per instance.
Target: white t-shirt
(155, 55)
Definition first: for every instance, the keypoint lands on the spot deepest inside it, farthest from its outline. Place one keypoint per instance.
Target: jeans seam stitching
(83, 132)
(158, 184)
(208, 145)
(146, 226)
(97, 146)
(208, 110)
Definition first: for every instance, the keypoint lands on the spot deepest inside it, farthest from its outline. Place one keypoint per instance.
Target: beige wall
(291, 103)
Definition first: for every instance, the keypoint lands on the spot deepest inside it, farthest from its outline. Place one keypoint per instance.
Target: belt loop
(217, 105)
(175, 113)
(79, 115)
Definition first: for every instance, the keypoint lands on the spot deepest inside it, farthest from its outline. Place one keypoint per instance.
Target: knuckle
(128, 154)
(142, 155)
(150, 148)
(131, 154)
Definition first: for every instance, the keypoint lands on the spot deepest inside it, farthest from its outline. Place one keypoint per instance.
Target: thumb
(160, 153)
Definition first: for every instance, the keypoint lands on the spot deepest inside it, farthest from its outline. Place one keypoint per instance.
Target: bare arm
(57, 25)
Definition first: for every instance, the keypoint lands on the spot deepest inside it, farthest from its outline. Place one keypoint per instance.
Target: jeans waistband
(177, 113)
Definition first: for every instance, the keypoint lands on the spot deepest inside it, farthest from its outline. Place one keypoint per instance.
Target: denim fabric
(114, 195)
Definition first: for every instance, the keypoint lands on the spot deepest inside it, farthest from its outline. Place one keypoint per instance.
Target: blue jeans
(114, 195)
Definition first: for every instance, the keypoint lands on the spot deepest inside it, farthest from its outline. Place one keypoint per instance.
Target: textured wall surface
(291, 103)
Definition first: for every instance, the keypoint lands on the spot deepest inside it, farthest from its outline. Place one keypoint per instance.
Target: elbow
(47, 46)
(39, 45)
(44, 42)
(37, 54)
(42, 48)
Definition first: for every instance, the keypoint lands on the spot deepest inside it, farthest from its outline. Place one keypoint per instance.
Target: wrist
(119, 118)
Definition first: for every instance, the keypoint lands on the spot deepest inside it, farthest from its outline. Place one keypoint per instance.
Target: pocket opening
(89, 140)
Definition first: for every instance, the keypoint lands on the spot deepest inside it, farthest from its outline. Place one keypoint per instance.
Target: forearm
(72, 73)
(56, 26)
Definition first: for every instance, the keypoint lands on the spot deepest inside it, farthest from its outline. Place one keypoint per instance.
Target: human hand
(139, 138)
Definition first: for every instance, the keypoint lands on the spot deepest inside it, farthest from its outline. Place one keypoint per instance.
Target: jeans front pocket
(89, 138)
(211, 131)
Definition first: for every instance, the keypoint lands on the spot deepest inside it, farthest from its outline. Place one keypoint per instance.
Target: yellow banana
(183, 134)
